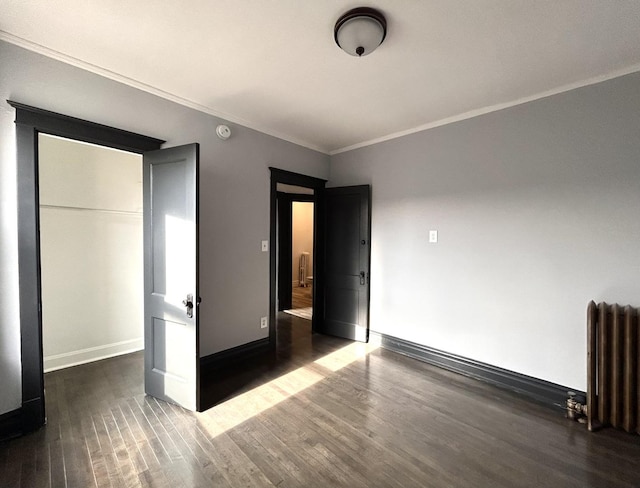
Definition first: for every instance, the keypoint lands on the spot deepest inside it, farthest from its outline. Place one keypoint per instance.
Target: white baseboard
(74, 358)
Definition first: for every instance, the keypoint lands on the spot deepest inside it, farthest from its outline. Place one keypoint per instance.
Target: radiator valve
(576, 407)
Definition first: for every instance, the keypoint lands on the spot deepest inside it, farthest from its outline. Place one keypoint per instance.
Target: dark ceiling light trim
(360, 31)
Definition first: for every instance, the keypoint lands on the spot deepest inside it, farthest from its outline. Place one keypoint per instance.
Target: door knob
(362, 278)
(188, 302)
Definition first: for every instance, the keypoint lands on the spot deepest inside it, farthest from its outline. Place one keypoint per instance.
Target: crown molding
(98, 70)
(491, 108)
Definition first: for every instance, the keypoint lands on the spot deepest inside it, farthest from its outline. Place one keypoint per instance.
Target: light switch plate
(265, 246)
(433, 236)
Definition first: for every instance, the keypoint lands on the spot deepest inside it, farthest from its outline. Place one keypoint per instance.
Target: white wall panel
(75, 174)
(91, 252)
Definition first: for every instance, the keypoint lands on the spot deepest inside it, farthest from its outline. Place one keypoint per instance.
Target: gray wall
(234, 198)
(538, 212)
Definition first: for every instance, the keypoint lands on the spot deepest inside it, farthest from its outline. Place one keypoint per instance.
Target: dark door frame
(29, 122)
(317, 185)
(285, 223)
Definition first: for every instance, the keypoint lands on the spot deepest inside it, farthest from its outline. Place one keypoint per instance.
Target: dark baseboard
(11, 424)
(235, 354)
(535, 389)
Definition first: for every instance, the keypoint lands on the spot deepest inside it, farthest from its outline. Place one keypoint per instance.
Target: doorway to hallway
(302, 257)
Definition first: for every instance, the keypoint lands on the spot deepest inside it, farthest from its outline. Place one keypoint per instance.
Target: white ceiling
(273, 65)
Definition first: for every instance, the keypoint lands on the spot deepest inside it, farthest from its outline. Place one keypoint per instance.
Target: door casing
(319, 234)
(317, 185)
(29, 122)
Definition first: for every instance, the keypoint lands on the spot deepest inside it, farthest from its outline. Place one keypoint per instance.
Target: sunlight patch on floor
(345, 356)
(237, 410)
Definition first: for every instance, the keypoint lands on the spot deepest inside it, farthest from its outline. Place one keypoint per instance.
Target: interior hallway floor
(317, 412)
(301, 296)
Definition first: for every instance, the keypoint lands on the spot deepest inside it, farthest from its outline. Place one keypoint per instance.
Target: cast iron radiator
(613, 369)
(304, 260)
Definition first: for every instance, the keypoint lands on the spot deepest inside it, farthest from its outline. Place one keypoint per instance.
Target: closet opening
(91, 251)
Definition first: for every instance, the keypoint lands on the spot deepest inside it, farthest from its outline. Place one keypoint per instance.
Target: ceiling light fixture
(360, 31)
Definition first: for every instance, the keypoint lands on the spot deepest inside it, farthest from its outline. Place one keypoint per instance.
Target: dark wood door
(347, 249)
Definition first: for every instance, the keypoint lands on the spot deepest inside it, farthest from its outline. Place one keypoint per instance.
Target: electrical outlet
(264, 322)
(433, 236)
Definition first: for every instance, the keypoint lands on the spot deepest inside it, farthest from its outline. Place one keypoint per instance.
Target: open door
(171, 357)
(347, 250)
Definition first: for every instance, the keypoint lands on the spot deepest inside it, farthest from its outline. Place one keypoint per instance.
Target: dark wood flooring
(301, 297)
(317, 412)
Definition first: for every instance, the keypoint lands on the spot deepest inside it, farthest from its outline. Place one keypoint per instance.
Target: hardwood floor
(317, 412)
(301, 297)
